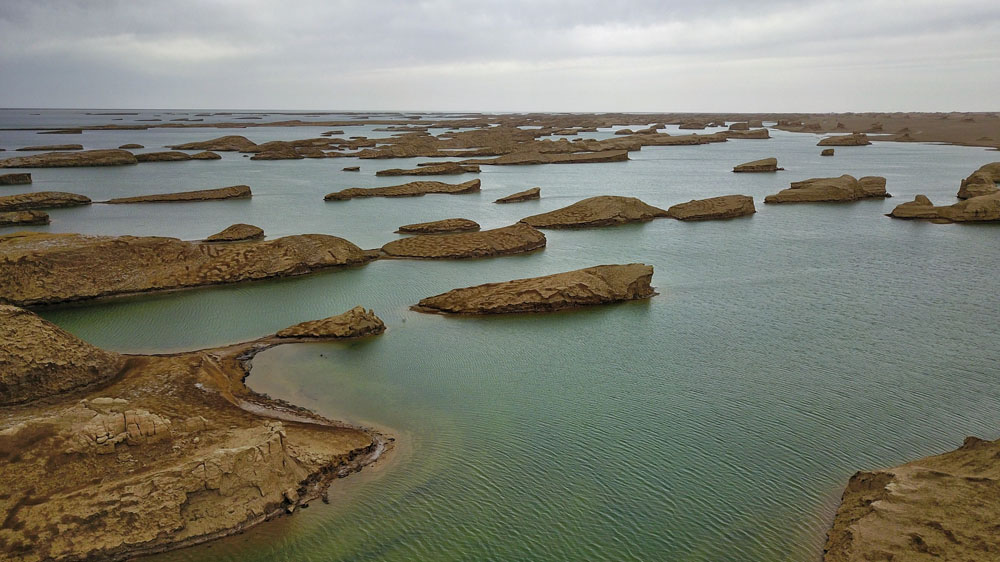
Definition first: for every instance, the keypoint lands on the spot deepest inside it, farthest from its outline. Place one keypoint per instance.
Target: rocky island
(231, 192)
(982, 208)
(515, 239)
(439, 226)
(763, 165)
(603, 210)
(111, 157)
(237, 233)
(15, 179)
(23, 218)
(41, 200)
(526, 195)
(713, 208)
(185, 452)
(602, 284)
(843, 188)
(411, 189)
(981, 182)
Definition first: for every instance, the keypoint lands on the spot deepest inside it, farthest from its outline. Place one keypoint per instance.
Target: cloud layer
(517, 55)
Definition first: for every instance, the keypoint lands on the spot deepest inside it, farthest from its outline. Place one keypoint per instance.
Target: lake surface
(719, 420)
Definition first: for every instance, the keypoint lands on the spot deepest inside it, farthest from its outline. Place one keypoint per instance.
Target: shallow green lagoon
(716, 421)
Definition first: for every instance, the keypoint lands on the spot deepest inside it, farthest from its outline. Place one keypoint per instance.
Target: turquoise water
(719, 420)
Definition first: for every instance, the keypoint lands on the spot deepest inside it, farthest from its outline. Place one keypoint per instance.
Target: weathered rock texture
(231, 192)
(751, 134)
(110, 157)
(724, 207)
(126, 455)
(230, 143)
(603, 210)
(131, 146)
(23, 218)
(237, 232)
(594, 285)
(981, 182)
(854, 139)
(763, 165)
(41, 200)
(411, 189)
(983, 208)
(206, 156)
(169, 156)
(354, 323)
(441, 226)
(526, 195)
(936, 508)
(826, 152)
(844, 188)
(51, 147)
(15, 179)
(515, 239)
(528, 158)
(41, 268)
(444, 168)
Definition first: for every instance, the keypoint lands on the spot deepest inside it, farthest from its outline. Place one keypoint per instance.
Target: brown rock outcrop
(169, 156)
(41, 200)
(438, 227)
(602, 284)
(749, 134)
(51, 148)
(231, 192)
(937, 508)
(15, 179)
(844, 188)
(528, 158)
(515, 239)
(854, 139)
(37, 359)
(277, 151)
(693, 125)
(526, 195)
(983, 208)
(826, 152)
(445, 168)
(981, 182)
(131, 146)
(354, 323)
(23, 218)
(724, 207)
(411, 189)
(183, 450)
(110, 157)
(740, 126)
(42, 268)
(763, 165)
(237, 233)
(229, 143)
(604, 210)
(206, 155)
(352, 168)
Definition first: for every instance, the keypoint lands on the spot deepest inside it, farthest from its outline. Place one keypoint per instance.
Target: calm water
(717, 421)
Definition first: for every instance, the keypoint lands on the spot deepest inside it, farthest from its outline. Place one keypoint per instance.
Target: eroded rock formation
(354, 323)
(763, 165)
(983, 208)
(231, 192)
(15, 179)
(603, 210)
(981, 182)
(411, 189)
(41, 200)
(111, 157)
(51, 148)
(515, 239)
(236, 233)
(526, 195)
(168, 156)
(854, 139)
(438, 227)
(229, 143)
(724, 207)
(584, 287)
(844, 188)
(445, 168)
(23, 218)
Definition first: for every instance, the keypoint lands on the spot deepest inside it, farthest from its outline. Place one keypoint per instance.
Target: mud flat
(183, 451)
(231, 192)
(602, 284)
(44, 268)
(411, 189)
(515, 239)
(603, 210)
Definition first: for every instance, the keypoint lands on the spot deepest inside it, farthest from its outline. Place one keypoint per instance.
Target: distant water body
(719, 420)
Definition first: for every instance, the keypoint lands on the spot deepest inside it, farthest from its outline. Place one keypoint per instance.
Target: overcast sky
(723, 55)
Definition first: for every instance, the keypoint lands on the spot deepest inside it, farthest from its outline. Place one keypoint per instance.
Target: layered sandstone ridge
(937, 508)
(354, 323)
(148, 453)
(41, 200)
(526, 195)
(439, 226)
(23, 218)
(843, 188)
(237, 233)
(713, 208)
(584, 287)
(981, 182)
(42, 268)
(762, 165)
(111, 157)
(231, 192)
(983, 208)
(603, 210)
(515, 239)
(411, 189)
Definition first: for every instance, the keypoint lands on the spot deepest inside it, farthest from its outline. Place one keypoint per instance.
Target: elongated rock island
(231, 192)
(603, 210)
(237, 233)
(23, 218)
(136, 454)
(515, 239)
(15, 179)
(844, 188)
(41, 200)
(724, 207)
(437, 227)
(763, 165)
(411, 189)
(981, 182)
(111, 157)
(44, 268)
(602, 284)
(983, 208)
(445, 168)
(526, 195)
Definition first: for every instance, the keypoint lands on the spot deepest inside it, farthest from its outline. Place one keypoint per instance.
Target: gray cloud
(519, 55)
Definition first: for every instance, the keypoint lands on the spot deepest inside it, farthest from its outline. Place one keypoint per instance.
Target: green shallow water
(719, 420)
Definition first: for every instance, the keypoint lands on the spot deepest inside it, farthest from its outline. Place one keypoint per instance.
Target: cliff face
(981, 182)
(937, 508)
(170, 451)
(49, 268)
(584, 287)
